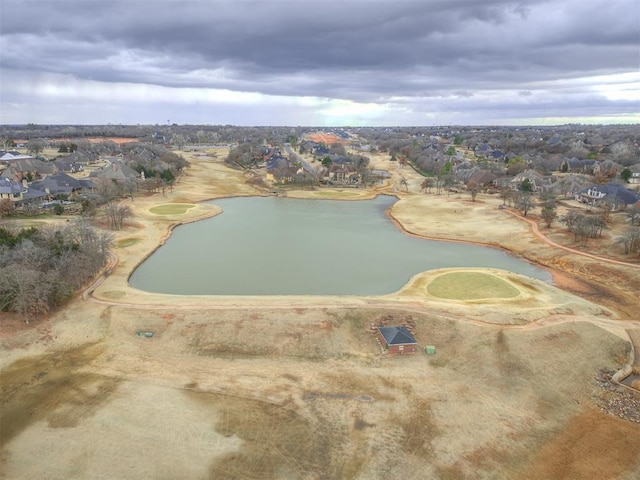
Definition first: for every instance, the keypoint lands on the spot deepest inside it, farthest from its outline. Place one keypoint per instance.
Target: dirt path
(634, 336)
(536, 231)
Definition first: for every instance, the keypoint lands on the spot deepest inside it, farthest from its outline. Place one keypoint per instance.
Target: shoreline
(401, 298)
(388, 213)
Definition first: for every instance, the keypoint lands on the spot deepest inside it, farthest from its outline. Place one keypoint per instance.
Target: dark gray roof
(32, 194)
(577, 163)
(68, 165)
(616, 191)
(277, 162)
(86, 183)
(58, 183)
(9, 187)
(397, 335)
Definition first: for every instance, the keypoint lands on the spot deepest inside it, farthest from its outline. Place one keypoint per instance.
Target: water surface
(282, 246)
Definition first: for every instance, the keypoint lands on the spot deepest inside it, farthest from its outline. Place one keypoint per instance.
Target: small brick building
(397, 340)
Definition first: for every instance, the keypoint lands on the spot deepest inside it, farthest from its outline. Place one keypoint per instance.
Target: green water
(280, 246)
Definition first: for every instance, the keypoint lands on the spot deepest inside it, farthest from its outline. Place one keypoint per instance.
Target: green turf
(127, 242)
(471, 286)
(171, 208)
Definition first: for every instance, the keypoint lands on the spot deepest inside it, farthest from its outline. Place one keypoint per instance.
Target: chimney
(24, 183)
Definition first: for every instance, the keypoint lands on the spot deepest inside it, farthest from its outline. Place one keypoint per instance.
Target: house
(63, 184)
(18, 192)
(343, 174)
(576, 165)
(80, 157)
(13, 155)
(497, 155)
(287, 175)
(482, 178)
(619, 196)
(29, 168)
(635, 174)
(397, 340)
(118, 172)
(280, 169)
(570, 184)
(483, 150)
(11, 190)
(535, 178)
(64, 165)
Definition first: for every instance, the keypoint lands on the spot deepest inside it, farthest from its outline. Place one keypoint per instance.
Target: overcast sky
(322, 63)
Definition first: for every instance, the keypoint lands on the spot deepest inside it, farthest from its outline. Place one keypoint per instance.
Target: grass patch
(172, 208)
(471, 286)
(127, 242)
(336, 194)
(114, 294)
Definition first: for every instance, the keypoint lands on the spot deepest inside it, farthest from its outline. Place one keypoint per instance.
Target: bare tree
(605, 207)
(506, 194)
(40, 268)
(179, 141)
(106, 189)
(7, 208)
(548, 210)
(473, 188)
(630, 240)
(116, 215)
(633, 213)
(548, 214)
(24, 291)
(31, 256)
(6, 142)
(151, 184)
(524, 202)
(426, 184)
(584, 227)
(36, 146)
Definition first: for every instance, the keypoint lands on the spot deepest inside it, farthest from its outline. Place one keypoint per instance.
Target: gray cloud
(380, 52)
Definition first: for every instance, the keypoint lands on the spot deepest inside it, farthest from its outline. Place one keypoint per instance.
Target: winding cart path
(536, 231)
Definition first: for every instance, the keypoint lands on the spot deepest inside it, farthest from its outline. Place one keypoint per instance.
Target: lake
(283, 246)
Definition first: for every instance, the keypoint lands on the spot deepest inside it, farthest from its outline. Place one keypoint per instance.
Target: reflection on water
(271, 246)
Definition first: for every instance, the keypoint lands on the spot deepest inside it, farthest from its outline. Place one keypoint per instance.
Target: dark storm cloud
(365, 51)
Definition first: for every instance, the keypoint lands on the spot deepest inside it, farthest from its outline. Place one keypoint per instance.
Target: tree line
(41, 268)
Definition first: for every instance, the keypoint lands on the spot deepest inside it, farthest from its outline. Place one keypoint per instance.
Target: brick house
(397, 340)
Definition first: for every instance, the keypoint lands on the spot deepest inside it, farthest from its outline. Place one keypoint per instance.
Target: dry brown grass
(592, 446)
(276, 442)
(49, 388)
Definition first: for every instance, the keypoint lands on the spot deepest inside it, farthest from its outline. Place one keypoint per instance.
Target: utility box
(430, 350)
